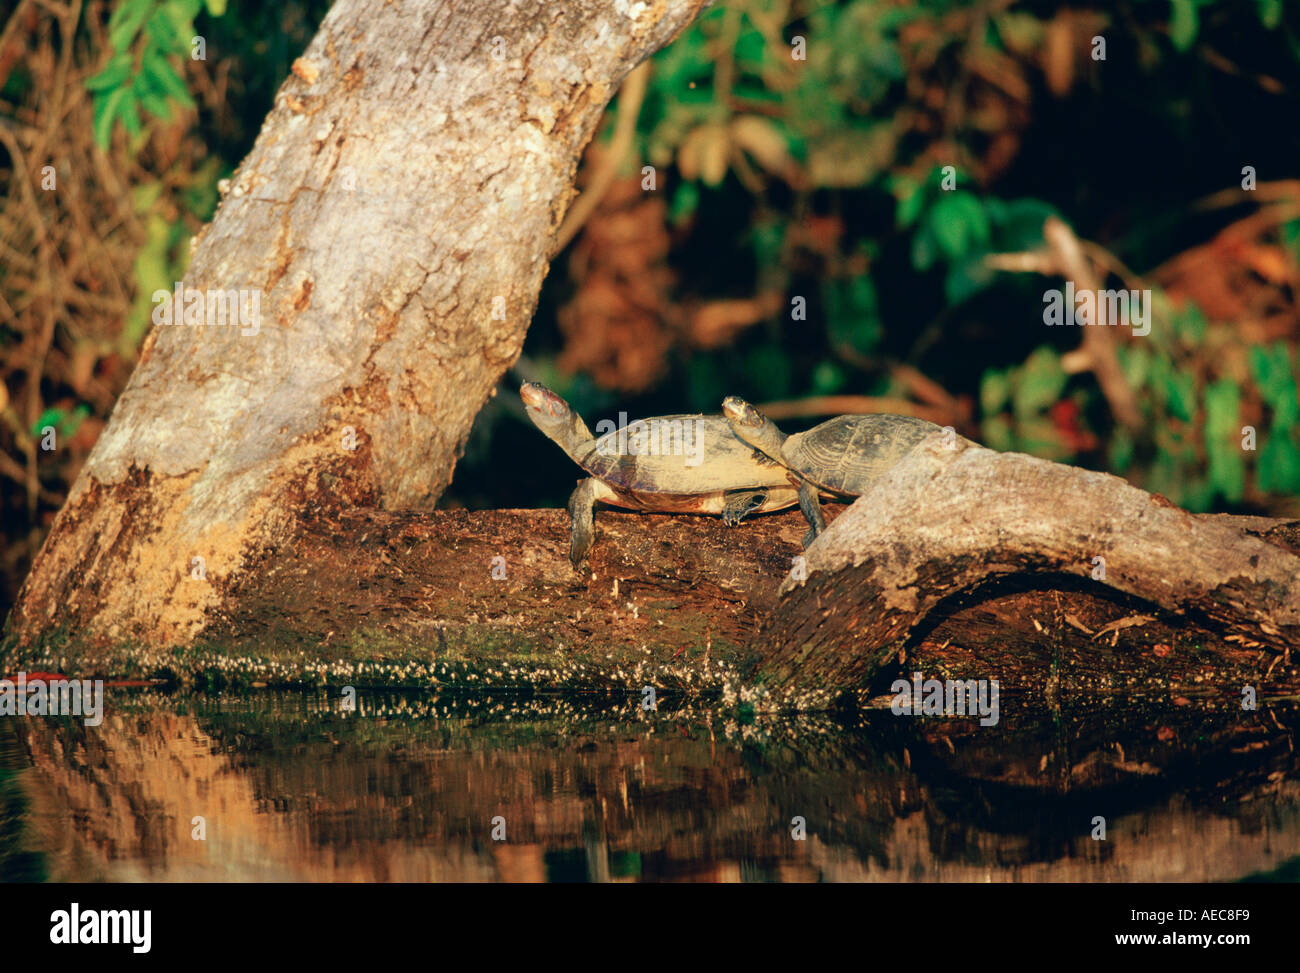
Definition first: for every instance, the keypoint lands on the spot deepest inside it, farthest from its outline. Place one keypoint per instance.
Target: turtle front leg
(738, 504)
(811, 505)
(582, 511)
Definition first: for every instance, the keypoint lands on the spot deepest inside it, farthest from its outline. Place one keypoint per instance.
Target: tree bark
(394, 217)
(945, 521)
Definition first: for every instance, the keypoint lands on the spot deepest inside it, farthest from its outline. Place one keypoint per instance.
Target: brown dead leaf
(715, 323)
(616, 326)
(762, 139)
(1058, 56)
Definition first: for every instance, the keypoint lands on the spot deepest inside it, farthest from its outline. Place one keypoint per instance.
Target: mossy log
(960, 563)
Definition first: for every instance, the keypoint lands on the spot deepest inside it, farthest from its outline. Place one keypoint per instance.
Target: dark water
(407, 788)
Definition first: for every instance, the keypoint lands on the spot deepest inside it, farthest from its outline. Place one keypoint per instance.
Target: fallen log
(479, 599)
(951, 517)
(966, 564)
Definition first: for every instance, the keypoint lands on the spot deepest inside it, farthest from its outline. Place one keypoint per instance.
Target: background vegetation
(774, 178)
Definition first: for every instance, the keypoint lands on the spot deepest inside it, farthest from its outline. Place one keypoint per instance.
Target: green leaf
(682, 62)
(911, 198)
(1222, 443)
(995, 390)
(1279, 464)
(189, 9)
(1190, 324)
(767, 240)
(155, 104)
(924, 251)
(959, 224)
(1291, 238)
(201, 195)
(1271, 368)
(827, 378)
(686, 199)
(161, 31)
(1180, 394)
(73, 422)
(1228, 475)
(152, 272)
(751, 49)
(1184, 21)
(162, 76)
(1222, 408)
(129, 112)
(129, 16)
(1019, 222)
(852, 313)
(1196, 494)
(997, 433)
(106, 109)
(179, 16)
(1135, 361)
(1119, 453)
(1039, 383)
(1270, 13)
(50, 417)
(113, 74)
(965, 279)
(216, 7)
(1261, 366)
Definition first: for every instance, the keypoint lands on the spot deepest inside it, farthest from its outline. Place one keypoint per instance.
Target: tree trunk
(394, 220)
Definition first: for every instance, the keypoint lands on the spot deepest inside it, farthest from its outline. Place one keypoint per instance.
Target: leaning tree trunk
(395, 217)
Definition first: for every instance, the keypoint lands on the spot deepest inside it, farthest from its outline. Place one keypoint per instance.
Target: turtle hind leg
(738, 504)
(582, 512)
(811, 506)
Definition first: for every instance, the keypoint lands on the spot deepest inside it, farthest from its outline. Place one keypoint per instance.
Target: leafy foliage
(866, 176)
(146, 38)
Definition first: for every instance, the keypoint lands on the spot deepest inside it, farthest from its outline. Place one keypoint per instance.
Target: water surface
(414, 787)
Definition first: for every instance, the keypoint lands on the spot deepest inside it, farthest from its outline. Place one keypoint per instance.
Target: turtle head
(552, 415)
(753, 428)
(545, 408)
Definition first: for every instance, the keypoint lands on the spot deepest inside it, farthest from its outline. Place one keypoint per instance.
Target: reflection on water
(289, 788)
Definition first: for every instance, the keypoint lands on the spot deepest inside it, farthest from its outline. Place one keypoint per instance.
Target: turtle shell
(846, 453)
(683, 455)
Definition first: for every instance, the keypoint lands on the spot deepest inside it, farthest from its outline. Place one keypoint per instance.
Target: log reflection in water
(290, 789)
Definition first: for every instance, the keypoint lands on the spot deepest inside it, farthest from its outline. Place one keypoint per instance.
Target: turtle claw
(578, 551)
(740, 504)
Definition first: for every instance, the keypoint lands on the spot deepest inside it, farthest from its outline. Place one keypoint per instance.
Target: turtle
(839, 458)
(705, 469)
